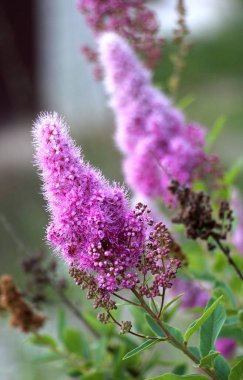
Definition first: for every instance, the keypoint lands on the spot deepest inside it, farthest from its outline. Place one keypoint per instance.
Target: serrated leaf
(144, 346)
(221, 368)
(198, 323)
(236, 372)
(211, 328)
(208, 359)
(44, 340)
(215, 132)
(172, 376)
(172, 301)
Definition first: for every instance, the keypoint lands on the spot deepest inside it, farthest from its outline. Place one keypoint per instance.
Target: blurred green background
(213, 77)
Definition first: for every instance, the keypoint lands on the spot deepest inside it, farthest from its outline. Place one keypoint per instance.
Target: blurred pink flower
(226, 347)
(132, 19)
(237, 205)
(158, 144)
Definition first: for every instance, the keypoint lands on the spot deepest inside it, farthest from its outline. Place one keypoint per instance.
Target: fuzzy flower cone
(91, 223)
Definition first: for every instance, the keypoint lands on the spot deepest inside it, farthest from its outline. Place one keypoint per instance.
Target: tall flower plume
(158, 144)
(131, 18)
(91, 223)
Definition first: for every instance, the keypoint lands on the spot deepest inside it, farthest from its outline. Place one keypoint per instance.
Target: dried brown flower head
(22, 315)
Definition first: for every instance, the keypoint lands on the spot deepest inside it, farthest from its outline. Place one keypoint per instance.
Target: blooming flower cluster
(91, 223)
(237, 206)
(158, 144)
(158, 262)
(132, 19)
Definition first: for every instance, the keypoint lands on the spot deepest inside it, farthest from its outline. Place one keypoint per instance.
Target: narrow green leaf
(144, 346)
(186, 101)
(159, 332)
(198, 323)
(215, 132)
(154, 326)
(208, 359)
(211, 328)
(48, 358)
(236, 372)
(172, 376)
(172, 301)
(61, 323)
(44, 341)
(231, 175)
(222, 368)
(100, 352)
(73, 341)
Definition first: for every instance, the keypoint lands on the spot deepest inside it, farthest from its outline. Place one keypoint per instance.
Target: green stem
(181, 346)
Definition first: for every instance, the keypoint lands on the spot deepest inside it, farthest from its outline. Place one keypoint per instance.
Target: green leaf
(211, 327)
(144, 346)
(208, 359)
(221, 288)
(61, 323)
(172, 301)
(100, 352)
(172, 376)
(159, 332)
(44, 341)
(215, 132)
(74, 373)
(73, 341)
(180, 369)
(48, 358)
(236, 372)
(94, 376)
(231, 175)
(93, 322)
(186, 101)
(198, 323)
(222, 368)
(195, 351)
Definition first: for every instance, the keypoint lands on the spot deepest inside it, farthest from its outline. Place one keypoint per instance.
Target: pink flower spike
(158, 144)
(91, 223)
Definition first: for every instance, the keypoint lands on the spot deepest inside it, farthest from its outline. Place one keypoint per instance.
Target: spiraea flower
(158, 144)
(133, 20)
(237, 206)
(226, 347)
(91, 223)
(194, 294)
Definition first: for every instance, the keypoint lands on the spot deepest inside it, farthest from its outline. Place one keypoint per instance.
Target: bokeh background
(42, 68)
